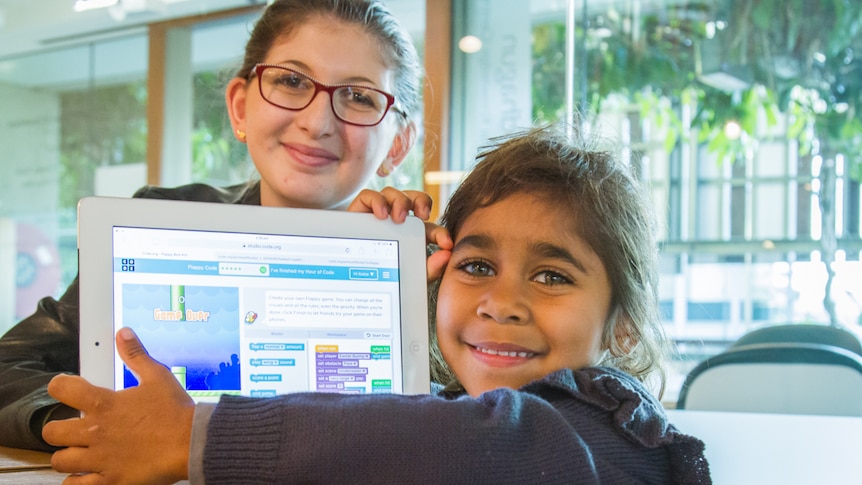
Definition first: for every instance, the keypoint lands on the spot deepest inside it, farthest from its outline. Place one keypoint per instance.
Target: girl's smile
(310, 156)
(502, 355)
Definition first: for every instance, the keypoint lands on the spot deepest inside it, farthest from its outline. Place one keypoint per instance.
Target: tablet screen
(260, 314)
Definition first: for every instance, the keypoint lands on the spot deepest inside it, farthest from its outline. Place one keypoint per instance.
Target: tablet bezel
(97, 217)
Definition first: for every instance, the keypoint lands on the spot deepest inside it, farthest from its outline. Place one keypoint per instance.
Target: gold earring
(241, 135)
(383, 170)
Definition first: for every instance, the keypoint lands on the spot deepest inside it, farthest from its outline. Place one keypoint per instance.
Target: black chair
(762, 373)
(803, 333)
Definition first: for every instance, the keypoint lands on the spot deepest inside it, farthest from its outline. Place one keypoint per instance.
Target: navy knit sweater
(595, 425)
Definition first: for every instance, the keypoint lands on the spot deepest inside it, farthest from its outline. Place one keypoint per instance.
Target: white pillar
(179, 109)
(494, 97)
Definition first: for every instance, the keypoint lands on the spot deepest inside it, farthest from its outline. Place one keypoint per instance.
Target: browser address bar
(286, 252)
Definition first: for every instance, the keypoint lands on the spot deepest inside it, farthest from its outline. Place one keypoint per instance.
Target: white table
(781, 449)
(25, 467)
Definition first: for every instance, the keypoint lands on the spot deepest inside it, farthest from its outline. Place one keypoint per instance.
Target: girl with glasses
(323, 101)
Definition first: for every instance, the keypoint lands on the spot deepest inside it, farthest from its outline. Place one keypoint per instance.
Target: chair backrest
(785, 378)
(803, 333)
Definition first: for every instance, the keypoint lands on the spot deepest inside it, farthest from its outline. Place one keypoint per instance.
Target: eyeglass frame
(258, 69)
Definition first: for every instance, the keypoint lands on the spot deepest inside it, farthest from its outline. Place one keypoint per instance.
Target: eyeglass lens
(293, 90)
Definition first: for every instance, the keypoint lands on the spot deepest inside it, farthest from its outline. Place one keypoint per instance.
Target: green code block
(381, 383)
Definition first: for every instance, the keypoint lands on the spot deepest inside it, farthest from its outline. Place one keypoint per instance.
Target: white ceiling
(46, 44)
(29, 26)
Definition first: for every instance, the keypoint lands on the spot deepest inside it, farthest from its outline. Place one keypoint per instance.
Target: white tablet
(254, 301)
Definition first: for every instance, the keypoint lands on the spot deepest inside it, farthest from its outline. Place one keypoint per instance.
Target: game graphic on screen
(191, 329)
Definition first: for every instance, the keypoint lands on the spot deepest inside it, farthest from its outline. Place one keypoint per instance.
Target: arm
(31, 353)
(548, 432)
(589, 426)
(143, 435)
(507, 437)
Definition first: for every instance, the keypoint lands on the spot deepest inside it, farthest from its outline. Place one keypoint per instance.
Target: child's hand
(137, 435)
(397, 203)
(437, 261)
(391, 201)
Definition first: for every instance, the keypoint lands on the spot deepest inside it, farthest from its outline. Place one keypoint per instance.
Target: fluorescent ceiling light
(82, 5)
(442, 178)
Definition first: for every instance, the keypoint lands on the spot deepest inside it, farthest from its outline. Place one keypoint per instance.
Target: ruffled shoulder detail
(637, 415)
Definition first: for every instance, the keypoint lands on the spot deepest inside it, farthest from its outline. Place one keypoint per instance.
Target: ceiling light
(470, 44)
(82, 5)
(442, 178)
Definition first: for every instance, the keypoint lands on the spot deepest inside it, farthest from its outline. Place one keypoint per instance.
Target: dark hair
(284, 16)
(610, 211)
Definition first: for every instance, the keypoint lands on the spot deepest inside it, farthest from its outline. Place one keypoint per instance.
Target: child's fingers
(420, 203)
(436, 263)
(370, 201)
(393, 202)
(399, 203)
(86, 479)
(136, 357)
(438, 235)
(75, 391)
(71, 460)
(66, 432)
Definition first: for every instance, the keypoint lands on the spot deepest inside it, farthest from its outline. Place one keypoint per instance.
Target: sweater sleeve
(200, 422)
(540, 434)
(327, 438)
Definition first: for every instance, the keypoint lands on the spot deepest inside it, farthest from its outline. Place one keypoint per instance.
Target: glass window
(742, 117)
(73, 124)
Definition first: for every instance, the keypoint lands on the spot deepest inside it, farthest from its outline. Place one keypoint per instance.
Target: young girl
(546, 324)
(323, 101)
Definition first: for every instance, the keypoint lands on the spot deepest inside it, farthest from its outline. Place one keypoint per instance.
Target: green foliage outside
(217, 157)
(99, 127)
(736, 64)
(796, 57)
